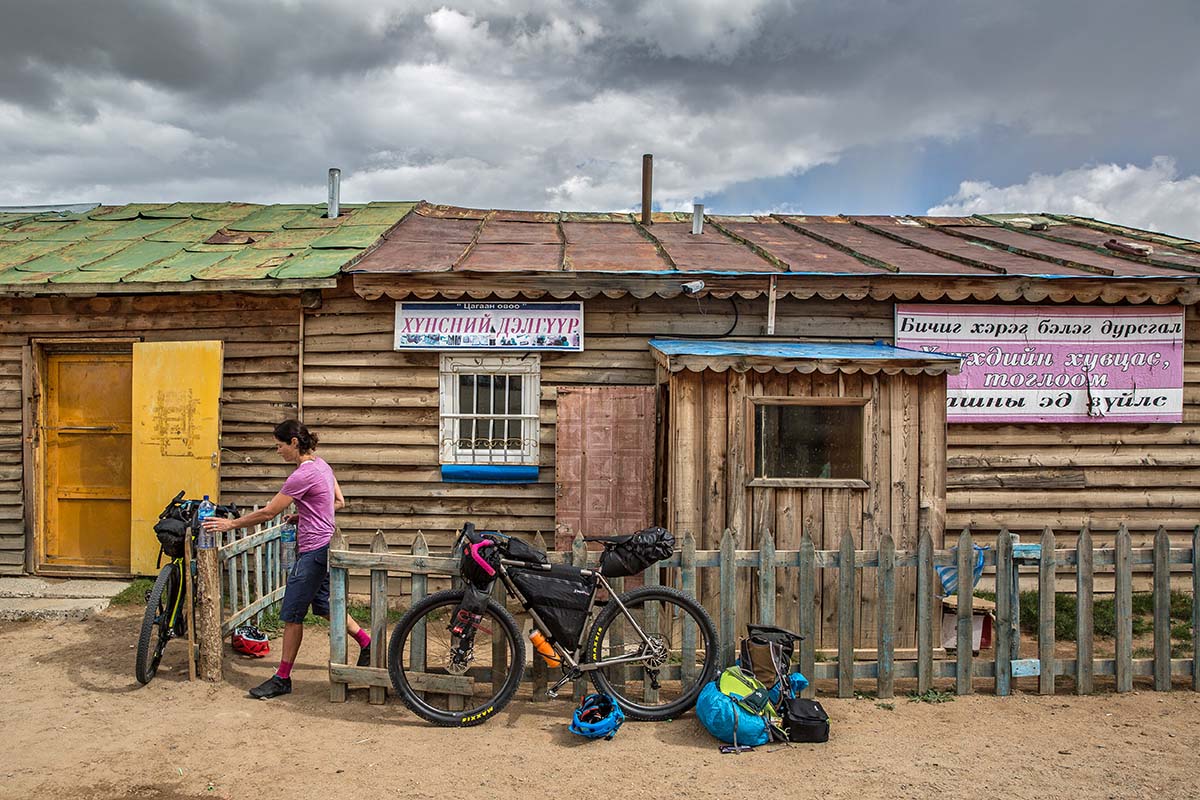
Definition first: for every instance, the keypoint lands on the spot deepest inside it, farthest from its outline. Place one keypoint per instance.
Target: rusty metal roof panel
(503, 215)
(640, 256)
(420, 228)
(398, 255)
(710, 251)
(497, 232)
(801, 253)
(979, 254)
(450, 212)
(1134, 233)
(901, 258)
(1056, 251)
(1160, 253)
(593, 216)
(513, 258)
(602, 233)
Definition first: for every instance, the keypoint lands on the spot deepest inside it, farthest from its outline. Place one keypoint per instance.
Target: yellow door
(176, 394)
(87, 434)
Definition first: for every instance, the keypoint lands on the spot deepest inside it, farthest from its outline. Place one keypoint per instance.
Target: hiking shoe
(272, 687)
(364, 657)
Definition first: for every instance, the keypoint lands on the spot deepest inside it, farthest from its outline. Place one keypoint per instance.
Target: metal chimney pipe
(697, 219)
(335, 191)
(647, 185)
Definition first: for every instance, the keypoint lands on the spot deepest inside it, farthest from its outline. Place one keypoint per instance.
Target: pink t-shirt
(311, 487)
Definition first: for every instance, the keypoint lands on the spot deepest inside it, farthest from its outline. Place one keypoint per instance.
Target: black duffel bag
(171, 532)
(805, 721)
(632, 554)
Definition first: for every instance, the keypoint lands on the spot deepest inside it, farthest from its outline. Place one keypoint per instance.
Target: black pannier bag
(632, 554)
(560, 596)
(170, 532)
(805, 721)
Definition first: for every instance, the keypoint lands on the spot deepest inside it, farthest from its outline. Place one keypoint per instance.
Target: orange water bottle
(544, 648)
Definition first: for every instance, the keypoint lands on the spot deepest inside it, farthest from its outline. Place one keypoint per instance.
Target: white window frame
(528, 368)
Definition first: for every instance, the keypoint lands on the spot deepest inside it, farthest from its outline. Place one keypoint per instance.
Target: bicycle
(164, 601)
(457, 657)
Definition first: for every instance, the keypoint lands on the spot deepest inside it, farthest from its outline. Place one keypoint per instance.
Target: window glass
(489, 410)
(802, 441)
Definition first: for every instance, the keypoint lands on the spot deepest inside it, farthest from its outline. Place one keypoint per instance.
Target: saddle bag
(629, 555)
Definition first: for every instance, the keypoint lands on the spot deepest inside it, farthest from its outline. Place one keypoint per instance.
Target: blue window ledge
(489, 473)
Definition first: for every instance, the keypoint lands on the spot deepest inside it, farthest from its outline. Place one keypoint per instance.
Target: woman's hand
(291, 519)
(218, 524)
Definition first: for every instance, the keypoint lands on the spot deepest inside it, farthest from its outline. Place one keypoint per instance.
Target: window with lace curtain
(489, 409)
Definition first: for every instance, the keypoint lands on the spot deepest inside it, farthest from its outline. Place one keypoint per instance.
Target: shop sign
(1052, 364)
(489, 326)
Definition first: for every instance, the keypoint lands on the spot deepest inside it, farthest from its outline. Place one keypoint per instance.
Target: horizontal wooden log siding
(261, 335)
(903, 470)
(876, 663)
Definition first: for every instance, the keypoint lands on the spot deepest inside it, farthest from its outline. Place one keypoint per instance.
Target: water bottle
(205, 540)
(287, 538)
(544, 648)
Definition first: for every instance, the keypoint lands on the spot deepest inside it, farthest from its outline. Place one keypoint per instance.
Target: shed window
(805, 440)
(489, 409)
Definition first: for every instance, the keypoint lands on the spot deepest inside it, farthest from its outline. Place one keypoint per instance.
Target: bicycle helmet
(598, 717)
(250, 641)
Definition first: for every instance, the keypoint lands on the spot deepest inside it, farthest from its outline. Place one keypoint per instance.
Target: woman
(315, 491)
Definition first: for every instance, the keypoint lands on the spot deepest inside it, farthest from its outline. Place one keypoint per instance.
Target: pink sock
(285, 669)
(362, 637)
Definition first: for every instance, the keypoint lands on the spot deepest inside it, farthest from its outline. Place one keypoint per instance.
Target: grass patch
(886, 706)
(361, 613)
(933, 696)
(1104, 614)
(134, 594)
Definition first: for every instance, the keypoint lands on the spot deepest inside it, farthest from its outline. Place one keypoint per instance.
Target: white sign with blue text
(489, 326)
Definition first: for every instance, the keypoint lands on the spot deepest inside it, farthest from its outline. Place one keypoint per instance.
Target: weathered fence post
(846, 609)
(925, 613)
(1084, 648)
(208, 612)
(766, 578)
(337, 619)
(1124, 611)
(1004, 613)
(885, 677)
(1162, 611)
(1046, 614)
(579, 557)
(807, 591)
(964, 674)
(728, 605)
(420, 589)
(190, 607)
(539, 665)
(1196, 609)
(687, 580)
(377, 695)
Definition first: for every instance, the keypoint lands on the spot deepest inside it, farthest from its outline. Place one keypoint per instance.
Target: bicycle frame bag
(767, 653)
(561, 596)
(632, 554)
(805, 721)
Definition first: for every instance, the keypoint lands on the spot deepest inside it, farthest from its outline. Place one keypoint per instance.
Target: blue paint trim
(794, 350)
(489, 473)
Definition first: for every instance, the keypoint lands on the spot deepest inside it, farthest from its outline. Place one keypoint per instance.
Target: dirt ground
(75, 724)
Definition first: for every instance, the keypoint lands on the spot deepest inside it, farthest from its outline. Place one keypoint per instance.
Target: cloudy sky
(870, 106)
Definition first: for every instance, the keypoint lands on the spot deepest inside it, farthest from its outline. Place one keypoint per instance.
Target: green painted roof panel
(228, 211)
(126, 212)
(268, 219)
(179, 267)
(193, 230)
(13, 275)
(139, 229)
(353, 236)
(74, 232)
(137, 255)
(179, 210)
(73, 256)
(314, 264)
(380, 214)
(20, 252)
(293, 239)
(249, 264)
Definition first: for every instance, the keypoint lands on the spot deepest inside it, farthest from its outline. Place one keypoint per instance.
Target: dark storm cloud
(550, 103)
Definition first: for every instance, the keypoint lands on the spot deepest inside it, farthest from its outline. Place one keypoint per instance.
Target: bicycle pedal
(552, 693)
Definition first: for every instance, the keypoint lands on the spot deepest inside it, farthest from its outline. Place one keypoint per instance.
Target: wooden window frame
(752, 482)
(529, 368)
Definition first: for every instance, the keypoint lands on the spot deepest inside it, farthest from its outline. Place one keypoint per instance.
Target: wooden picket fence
(1004, 554)
(252, 574)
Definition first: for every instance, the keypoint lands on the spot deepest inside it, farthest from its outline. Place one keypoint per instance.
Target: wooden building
(606, 433)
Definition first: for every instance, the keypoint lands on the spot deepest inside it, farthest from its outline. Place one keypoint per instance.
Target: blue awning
(787, 356)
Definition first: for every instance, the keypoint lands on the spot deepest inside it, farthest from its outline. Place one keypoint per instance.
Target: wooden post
(728, 570)
(189, 609)
(420, 589)
(846, 608)
(766, 578)
(1196, 609)
(1124, 611)
(208, 612)
(1004, 613)
(925, 613)
(337, 619)
(885, 678)
(540, 670)
(687, 579)
(806, 622)
(1162, 611)
(965, 671)
(377, 695)
(1046, 615)
(1084, 649)
(579, 557)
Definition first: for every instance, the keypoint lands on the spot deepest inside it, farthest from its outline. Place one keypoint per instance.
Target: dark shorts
(307, 585)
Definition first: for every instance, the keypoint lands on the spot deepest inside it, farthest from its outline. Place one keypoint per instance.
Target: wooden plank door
(604, 460)
(176, 434)
(88, 410)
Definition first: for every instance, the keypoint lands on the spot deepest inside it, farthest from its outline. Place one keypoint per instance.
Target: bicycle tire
(147, 662)
(707, 643)
(467, 717)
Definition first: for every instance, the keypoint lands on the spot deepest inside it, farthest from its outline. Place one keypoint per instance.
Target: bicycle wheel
(156, 624)
(444, 690)
(671, 670)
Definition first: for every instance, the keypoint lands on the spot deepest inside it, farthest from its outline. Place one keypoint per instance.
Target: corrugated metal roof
(722, 354)
(169, 243)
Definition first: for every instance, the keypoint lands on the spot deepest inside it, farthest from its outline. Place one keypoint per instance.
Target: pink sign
(1051, 364)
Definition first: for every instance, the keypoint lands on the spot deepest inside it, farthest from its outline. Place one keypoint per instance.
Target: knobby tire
(155, 620)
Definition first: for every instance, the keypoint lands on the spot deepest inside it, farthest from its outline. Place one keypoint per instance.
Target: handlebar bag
(170, 533)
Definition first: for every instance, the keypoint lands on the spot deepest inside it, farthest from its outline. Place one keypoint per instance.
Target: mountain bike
(457, 656)
(166, 618)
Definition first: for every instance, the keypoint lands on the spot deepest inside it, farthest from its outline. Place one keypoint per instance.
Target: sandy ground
(75, 724)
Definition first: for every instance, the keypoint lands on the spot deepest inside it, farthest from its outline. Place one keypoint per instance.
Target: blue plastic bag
(949, 574)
